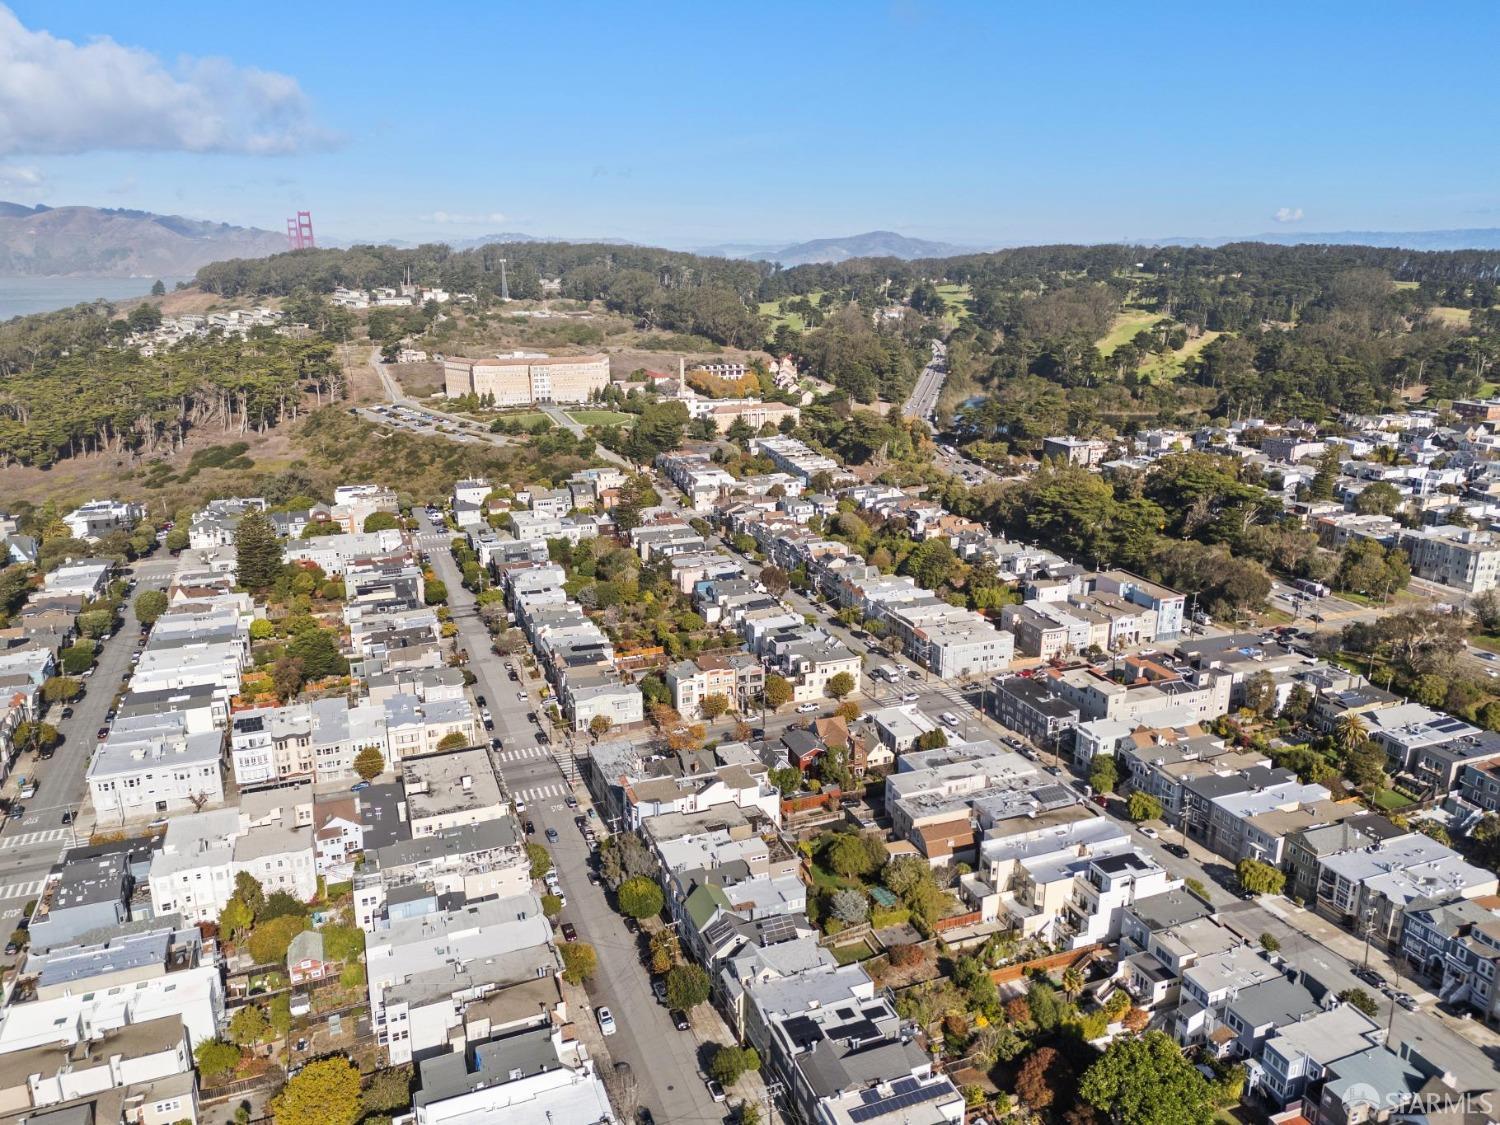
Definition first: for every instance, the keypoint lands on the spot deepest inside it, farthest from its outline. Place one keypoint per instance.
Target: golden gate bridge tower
(299, 232)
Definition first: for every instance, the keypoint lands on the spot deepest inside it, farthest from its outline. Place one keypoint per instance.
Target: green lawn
(855, 951)
(1390, 800)
(601, 417)
(1172, 364)
(1126, 325)
(774, 310)
(525, 417)
(956, 297)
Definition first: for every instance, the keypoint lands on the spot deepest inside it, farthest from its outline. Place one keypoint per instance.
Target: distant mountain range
(486, 239)
(1471, 238)
(46, 241)
(871, 244)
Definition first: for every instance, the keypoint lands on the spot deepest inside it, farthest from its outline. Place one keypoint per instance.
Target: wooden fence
(1064, 960)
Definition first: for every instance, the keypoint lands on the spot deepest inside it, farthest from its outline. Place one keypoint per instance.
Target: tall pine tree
(257, 551)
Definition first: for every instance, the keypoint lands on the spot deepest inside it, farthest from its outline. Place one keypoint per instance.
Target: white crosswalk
(22, 890)
(26, 839)
(541, 792)
(520, 754)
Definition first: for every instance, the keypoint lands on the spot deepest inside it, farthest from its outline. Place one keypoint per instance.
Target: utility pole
(504, 282)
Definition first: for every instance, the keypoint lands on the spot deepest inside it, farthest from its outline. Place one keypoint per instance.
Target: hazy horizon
(959, 123)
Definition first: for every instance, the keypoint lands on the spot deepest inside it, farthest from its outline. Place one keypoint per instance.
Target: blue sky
(700, 123)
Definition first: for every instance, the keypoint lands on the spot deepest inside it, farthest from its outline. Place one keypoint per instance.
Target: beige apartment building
(522, 378)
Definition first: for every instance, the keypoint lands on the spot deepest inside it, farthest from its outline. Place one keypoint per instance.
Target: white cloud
(462, 219)
(57, 96)
(20, 176)
(1288, 215)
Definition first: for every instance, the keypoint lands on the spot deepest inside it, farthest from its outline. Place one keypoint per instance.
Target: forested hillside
(67, 388)
(1085, 339)
(711, 297)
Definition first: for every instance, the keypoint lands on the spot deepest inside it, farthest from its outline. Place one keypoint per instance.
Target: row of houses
(827, 1035)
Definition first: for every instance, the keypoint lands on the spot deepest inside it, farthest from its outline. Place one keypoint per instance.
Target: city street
(666, 1062)
(32, 843)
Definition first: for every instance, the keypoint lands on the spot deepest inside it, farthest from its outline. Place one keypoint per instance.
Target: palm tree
(1072, 982)
(1350, 733)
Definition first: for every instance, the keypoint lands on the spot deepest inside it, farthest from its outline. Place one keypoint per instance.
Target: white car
(1150, 833)
(807, 709)
(606, 1022)
(949, 718)
(909, 697)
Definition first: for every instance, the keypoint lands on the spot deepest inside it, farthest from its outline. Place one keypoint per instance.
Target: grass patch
(1173, 364)
(860, 950)
(526, 418)
(957, 298)
(1390, 800)
(1454, 318)
(1487, 641)
(601, 417)
(777, 313)
(1126, 325)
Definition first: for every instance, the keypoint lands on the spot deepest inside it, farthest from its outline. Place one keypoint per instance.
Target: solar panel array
(904, 1092)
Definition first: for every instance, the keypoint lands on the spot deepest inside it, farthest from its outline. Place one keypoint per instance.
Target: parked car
(571, 802)
(659, 990)
(530, 828)
(102, 733)
(606, 1022)
(1177, 849)
(680, 1021)
(807, 708)
(715, 1091)
(569, 932)
(495, 744)
(479, 699)
(67, 712)
(67, 816)
(1150, 833)
(1407, 1001)
(520, 697)
(359, 787)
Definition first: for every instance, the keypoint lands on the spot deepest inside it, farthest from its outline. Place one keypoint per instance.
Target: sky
(691, 124)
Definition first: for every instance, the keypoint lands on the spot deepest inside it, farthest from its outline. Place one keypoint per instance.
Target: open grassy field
(1454, 318)
(1172, 364)
(777, 314)
(524, 417)
(601, 417)
(1127, 324)
(956, 297)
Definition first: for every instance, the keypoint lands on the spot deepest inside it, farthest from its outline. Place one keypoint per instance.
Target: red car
(569, 932)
